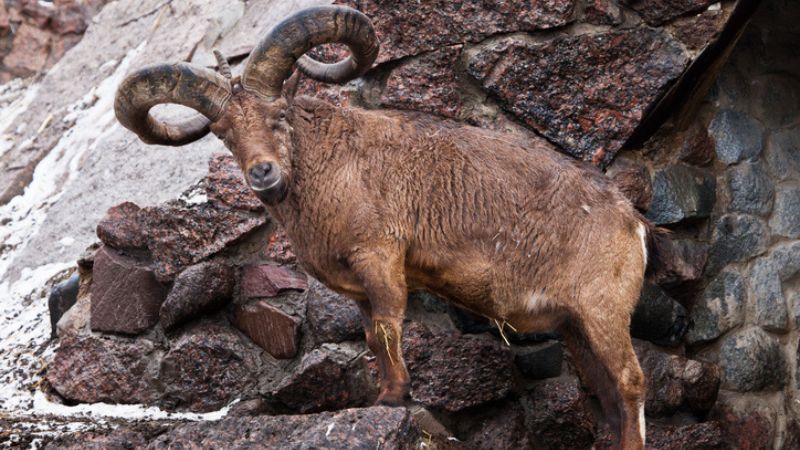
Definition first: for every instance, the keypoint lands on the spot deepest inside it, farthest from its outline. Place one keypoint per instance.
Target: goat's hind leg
(382, 275)
(602, 350)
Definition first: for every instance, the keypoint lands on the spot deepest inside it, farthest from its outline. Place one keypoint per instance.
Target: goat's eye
(282, 115)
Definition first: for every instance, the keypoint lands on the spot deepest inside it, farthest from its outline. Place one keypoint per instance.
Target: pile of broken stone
(199, 303)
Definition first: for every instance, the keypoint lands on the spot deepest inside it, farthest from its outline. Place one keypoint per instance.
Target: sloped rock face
(617, 76)
(201, 288)
(560, 416)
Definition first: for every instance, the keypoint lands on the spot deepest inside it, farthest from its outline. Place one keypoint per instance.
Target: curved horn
(272, 60)
(222, 65)
(198, 88)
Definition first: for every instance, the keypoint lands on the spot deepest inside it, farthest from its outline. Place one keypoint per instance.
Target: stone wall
(195, 302)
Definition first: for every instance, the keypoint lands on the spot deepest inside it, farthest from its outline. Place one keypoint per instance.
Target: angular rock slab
(676, 383)
(360, 428)
(225, 185)
(411, 27)
(585, 93)
(332, 317)
(272, 329)
(752, 360)
(89, 369)
(719, 309)
(657, 12)
(681, 192)
(453, 371)
(207, 366)
(265, 281)
(126, 296)
(559, 416)
(658, 317)
(199, 289)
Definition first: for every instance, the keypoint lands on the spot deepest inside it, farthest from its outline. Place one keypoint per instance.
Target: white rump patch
(536, 302)
(642, 230)
(642, 428)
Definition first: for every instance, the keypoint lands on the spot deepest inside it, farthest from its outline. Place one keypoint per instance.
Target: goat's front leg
(383, 278)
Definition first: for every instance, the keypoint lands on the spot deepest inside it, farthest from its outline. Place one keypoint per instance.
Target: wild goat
(377, 203)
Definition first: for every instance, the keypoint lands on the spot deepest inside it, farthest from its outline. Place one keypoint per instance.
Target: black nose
(263, 176)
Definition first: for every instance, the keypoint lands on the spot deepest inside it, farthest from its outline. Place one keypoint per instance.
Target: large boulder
(332, 317)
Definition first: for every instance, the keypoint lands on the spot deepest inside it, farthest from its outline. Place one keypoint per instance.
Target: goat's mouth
(270, 191)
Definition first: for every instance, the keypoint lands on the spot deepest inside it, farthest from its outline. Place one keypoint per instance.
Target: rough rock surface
(720, 309)
(367, 428)
(225, 185)
(453, 371)
(91, 369)
(658, 317)
(752, 360)
(501, 430)
(737, 136)
(676, 383)
(698, 436)
(750, 189)
(586, 93)
(770, 304)
(126, 296)
(736, 237)
(199, 289)
(207, 366)
(410, 27)
(681, 265)
(266, 280)
(656, 12)
(681, 192)
(559, 416)
(122, 227)
(332, 317)
(269, 327)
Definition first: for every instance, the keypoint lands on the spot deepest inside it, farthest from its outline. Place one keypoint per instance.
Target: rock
(409, 27)
(279, 248)
(558, 415)
(634, 182)
(771, 312)
(327, 378)
(696, 436)
(697, 147)
(180, 235)
(126, 296)
(783, 153)
(750, 189)
(681, 192)
(30, 51)
(540, 361)
(720, 308)
(585, 93)
(746, 430)
(360, 428)
(697, 31)
(427, 83)
(752, 360)
(122, 227)
(657, 12)
(91, 369)
(119, 439)
(265, 281)
(776, 98)
(225, 185)
(76, 320)
(683, 262)
(735, 238)
(207, 366)
(659, 318)
(61, 299)
(736, 136)
(453, 371)
(602, 12)
(201, 288)
(784, 220)
(501, 430)
(787, 259)
(332, 317)
(676, 383)
(249, 408)
(272, 329)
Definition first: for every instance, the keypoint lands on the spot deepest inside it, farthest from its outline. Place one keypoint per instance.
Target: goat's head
(251, 114)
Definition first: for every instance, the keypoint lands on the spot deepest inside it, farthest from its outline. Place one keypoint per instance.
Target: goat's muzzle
(267, 182)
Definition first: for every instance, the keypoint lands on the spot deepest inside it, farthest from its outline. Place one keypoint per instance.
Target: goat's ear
(290, 86)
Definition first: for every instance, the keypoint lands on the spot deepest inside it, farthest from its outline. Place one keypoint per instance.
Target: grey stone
(787, 258)
(332, 317)
(770, 304)
(737, 136)
(794, 301)
(786, 217)
(681, 192)
(736, 237)
(752, 360)
(719, 309)
(540, 361)
(783, 153)
(776, 99)
(750, 188)
(658, 317)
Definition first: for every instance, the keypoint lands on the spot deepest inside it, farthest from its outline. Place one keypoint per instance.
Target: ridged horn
(272, 60)
(198, 88)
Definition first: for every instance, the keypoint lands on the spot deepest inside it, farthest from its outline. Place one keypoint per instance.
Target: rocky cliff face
(192, 301)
